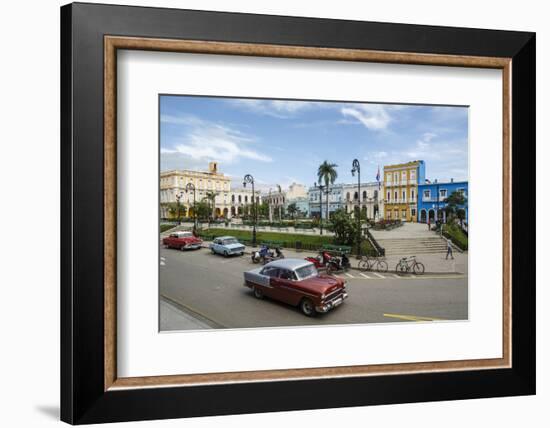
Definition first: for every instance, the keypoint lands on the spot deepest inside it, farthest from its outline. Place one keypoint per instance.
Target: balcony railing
(401, 201)
(433, 199)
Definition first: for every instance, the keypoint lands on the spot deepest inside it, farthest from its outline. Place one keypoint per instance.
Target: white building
(334, 200)
(346, 196)
(296, 191)
(276, 201)
(369, 198)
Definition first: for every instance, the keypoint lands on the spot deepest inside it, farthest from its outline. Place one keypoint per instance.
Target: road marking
(417, 277)
(339, 276)
(163, 258)
(412, 317)
(350, 275)
(378, 275)
(365, 276)
(162, 263)
(396, 276)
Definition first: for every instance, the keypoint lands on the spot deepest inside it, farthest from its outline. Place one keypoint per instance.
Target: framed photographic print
(273, 213)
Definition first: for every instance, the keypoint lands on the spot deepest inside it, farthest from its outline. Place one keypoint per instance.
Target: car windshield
(230, 241)
(306, 271)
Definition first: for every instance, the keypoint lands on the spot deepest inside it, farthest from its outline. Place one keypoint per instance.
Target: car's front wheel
(308, 308)
(258, 294)
(226, 254)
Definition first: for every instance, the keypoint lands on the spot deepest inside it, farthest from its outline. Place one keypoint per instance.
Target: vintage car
(298, 283)
(227, 246)
(182, 240)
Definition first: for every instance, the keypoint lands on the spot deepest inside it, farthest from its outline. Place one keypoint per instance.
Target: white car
(227, 246)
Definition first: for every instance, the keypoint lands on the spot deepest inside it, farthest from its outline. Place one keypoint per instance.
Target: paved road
(209, 288)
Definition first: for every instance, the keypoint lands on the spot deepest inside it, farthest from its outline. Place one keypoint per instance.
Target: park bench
(336, 248)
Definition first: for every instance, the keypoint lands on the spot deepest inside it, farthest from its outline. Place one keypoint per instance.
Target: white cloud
(207, 141)
(180, 120)
(428, 136)
(373, 117)
(281, 109)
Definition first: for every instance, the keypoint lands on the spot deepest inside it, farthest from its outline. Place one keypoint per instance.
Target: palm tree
(211, 197)
(292, 209)
(280, 190)
(327, 174)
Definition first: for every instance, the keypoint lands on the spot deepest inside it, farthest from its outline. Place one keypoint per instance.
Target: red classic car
(182, 240)
(297, 282)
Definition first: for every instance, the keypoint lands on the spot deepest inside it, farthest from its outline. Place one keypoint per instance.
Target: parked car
(298, 283)
(227, 246)
(182, 240)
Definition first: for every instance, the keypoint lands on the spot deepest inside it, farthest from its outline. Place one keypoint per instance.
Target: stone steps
(411, 246)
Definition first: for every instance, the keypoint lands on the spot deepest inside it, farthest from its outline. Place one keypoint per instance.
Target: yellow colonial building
(227, 202)
(401, 190)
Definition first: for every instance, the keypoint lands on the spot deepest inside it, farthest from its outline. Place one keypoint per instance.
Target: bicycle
(409, 264)
(373, 263)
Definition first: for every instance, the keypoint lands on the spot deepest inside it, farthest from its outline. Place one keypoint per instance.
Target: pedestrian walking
(449, 250)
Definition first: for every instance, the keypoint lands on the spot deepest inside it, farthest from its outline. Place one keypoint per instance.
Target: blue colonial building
(431, 197)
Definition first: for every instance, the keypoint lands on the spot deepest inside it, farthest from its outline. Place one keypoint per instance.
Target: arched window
(233, 198)
(376, 194)
(355, 196)
(240, 200)
(364, 194)
(245, 199)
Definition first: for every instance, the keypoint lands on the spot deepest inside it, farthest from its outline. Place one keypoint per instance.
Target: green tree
(211, 198)
(292, 209)
(203, 209)
(263, 209)
(172, 208)
(344, 227)
(461, 215)
(455, 202)
(326, 173)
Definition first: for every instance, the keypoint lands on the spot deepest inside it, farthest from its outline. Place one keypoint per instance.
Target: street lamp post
(249, 179)
(356, 168)
(440, 222)
(321, 188)
(191, 188)
(178, 197)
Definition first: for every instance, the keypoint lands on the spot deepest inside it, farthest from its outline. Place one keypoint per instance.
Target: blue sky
(284, 141)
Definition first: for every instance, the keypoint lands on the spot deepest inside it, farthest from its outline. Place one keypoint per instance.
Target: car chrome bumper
(332, 304)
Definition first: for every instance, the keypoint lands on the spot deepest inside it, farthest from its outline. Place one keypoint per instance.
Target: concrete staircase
(410, 239)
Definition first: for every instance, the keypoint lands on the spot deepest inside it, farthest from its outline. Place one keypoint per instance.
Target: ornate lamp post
(191, 188)
(178, 197)
(321, 188)
(356, 168)
(249, 179)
